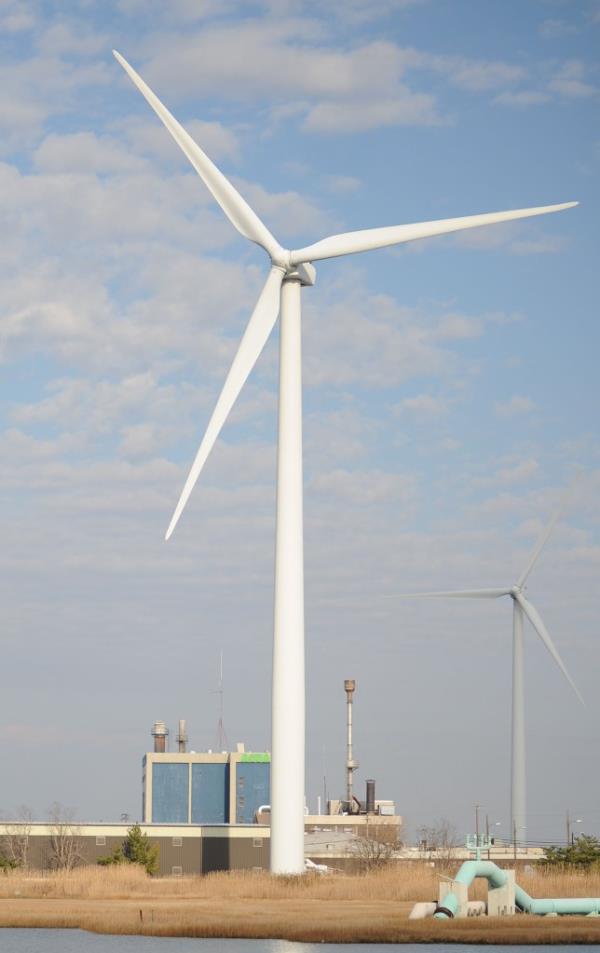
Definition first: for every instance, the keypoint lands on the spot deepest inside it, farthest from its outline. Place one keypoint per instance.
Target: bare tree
(439, 841)
(372, 854)
(14, 843)
(65, 837)
(376, 847)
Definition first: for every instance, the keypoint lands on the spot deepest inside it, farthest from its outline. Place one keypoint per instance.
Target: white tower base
(288, 719)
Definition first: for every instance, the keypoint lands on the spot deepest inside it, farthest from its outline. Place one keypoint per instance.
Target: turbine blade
(537, 623)
(545, 535)
(235, 207)
(367, 239)
(255, 337)
(459, 594)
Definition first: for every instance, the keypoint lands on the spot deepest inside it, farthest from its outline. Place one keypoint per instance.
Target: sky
(450, 393)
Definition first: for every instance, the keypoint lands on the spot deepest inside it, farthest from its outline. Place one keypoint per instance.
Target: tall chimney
(351, 764)
(370, 796)
(159, 733)
(181, 737)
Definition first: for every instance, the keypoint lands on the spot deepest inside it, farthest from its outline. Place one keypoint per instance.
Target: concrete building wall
(183, 849)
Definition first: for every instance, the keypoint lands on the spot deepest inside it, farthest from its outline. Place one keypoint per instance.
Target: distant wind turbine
(522, 608)
(289, 272)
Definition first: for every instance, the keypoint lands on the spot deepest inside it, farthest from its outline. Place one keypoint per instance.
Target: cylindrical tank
(370, 796)
(160, 733)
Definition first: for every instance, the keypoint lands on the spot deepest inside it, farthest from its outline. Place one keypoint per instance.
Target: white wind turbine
(522, 608)
(290, 270)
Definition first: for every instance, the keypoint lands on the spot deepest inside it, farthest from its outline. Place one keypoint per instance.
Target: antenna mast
(222, 743)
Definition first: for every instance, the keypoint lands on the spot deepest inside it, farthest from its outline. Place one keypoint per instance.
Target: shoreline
(301, 920)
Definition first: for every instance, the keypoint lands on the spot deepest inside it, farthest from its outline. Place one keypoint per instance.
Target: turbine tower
(522, 608)
(280, 296)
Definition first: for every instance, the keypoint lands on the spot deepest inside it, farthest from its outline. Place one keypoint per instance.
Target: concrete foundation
(501, 900)
(460, 891)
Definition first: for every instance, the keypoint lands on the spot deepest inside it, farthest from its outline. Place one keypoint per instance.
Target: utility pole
(477, 821)
(487, 833)
(515, 839)
(568, 829)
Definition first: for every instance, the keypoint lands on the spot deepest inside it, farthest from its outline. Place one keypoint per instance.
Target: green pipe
(496, 877)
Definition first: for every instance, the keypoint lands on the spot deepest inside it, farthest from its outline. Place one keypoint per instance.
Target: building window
(177, 871)
(100, 841)
(177, 842)
(257, 841)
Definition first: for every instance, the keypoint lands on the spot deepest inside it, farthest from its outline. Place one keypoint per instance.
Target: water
(76, 941)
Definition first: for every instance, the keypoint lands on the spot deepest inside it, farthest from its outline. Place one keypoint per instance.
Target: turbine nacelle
(522, 605)
(305, 273)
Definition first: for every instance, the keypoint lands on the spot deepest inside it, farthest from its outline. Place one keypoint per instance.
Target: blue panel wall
(170, 793)
(252, 789)
(210, 794)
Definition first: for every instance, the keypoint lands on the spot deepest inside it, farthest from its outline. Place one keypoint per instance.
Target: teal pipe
(573, 905)
(496, 877)
(471, 869)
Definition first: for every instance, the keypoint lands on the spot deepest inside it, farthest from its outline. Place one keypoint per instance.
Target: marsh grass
(402, 883)
(339, 908)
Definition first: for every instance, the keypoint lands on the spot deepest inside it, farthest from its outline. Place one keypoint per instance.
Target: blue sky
(450, 390)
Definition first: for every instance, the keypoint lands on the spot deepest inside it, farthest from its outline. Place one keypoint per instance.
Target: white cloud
(342, 184)
(520, 472)
(150, 138)
(570, 81)
(522, 98)
(369, 340)
(469, 74)
(84, 152)
(34, 89)
(364, 488)
(544, 245)
(425, 405)
(353, 12)
(286, 213)
(16, 18)
(406, 109)
(72, 37)
(331, 88)
(515, 407)
(458, 327)
(556, 29)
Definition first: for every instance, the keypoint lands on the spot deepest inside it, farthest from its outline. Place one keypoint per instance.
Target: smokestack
(181, 737)
(160, 733)
(370, 796)
(351, 764)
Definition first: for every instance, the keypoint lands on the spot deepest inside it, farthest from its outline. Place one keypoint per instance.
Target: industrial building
(210, 811)
(189, 787)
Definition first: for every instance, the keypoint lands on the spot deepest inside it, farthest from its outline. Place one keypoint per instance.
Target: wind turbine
(522, 608)
(289, 272)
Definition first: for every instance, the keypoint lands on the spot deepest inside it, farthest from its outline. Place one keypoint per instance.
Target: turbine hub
(304, 272)
(281, 258)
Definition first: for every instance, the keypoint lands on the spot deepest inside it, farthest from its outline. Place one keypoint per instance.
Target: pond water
(76, 941)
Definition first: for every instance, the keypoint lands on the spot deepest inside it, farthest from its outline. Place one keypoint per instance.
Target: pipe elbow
(443, 913)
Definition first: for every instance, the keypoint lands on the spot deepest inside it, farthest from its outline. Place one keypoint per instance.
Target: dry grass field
(369, 908)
